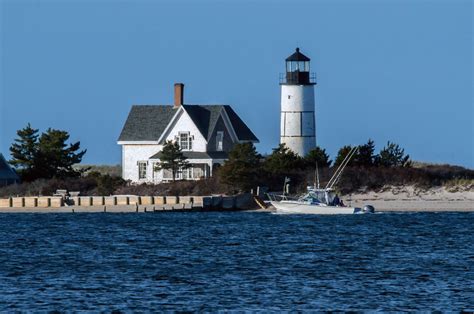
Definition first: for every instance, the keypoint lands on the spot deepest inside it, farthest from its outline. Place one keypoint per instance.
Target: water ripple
(236, 261)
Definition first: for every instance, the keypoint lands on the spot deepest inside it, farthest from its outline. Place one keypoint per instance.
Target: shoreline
(388, 199)
(388, 206)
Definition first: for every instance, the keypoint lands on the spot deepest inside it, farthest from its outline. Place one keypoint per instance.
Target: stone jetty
(124, 203)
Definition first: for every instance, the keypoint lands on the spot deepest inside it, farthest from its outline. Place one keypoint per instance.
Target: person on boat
(335, 201)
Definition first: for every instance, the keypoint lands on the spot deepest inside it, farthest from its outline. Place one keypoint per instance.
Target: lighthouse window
(292, 66)
(301, 66)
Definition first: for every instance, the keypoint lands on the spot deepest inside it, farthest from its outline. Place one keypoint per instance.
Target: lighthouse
(297, 128)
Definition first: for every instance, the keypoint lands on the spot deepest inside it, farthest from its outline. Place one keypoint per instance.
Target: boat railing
(277, 197)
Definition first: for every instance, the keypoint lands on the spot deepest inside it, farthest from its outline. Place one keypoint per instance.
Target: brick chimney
(178, 95)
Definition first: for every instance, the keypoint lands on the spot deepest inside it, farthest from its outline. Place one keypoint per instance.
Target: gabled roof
(147, 123)
(6, 172)
(298, 56)
(204, 117)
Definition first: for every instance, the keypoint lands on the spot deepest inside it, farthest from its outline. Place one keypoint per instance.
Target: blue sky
(387, 70)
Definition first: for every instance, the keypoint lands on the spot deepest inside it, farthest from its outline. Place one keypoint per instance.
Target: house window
(180, 174)
(167, 174)
(185, 141)
(141, 170)
(187, 173)
(154, 170)
(219, 140)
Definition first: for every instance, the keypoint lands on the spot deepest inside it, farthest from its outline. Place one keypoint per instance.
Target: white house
(205, 133)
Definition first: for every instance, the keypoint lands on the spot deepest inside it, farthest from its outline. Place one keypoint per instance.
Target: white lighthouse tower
(297, 105)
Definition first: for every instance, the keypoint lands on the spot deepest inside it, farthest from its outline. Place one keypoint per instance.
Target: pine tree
(365, 155)
(24, 151)
(283, 160)
(172, 158)
(341, 154)
(242, 169)
(392, 155)
(44, 156)
(319, 156)
(55, 157)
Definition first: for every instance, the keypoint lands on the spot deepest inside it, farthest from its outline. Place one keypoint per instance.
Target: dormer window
(220, 140)
(185, 141)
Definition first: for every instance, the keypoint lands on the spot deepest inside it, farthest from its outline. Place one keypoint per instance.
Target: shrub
(178, 188)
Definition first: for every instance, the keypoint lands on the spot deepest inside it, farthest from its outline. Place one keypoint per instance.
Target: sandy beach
(410, 198)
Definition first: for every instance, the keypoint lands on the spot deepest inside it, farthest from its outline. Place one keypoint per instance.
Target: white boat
(318, 201)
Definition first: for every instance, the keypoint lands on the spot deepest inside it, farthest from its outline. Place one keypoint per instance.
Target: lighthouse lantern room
(298, 130)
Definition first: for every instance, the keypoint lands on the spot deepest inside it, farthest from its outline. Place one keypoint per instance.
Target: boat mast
(317, 174)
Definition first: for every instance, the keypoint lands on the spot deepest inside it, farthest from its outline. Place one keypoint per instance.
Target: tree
(172, 158)
(341, 154)
(242, 169)
(318, 155)
(55, 157)
(24, 151)
(45, 156)
(282, 160)
(392, 155)
(365, 155)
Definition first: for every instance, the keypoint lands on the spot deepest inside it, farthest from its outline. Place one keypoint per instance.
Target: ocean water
(236, 261)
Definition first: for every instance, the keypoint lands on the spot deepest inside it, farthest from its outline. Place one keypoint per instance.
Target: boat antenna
(337, 174)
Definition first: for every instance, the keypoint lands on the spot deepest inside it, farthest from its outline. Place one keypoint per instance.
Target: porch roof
(198, 155)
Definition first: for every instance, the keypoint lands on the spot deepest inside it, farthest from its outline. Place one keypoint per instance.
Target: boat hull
(288, 207)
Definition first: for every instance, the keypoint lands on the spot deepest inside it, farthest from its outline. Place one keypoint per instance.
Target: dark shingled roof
(6, 172)
(240, 128)
(147, 123)
(198, 155)
(298, 56)
(204, 117)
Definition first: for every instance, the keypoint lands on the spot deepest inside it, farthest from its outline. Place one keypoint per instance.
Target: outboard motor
(369, 209)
